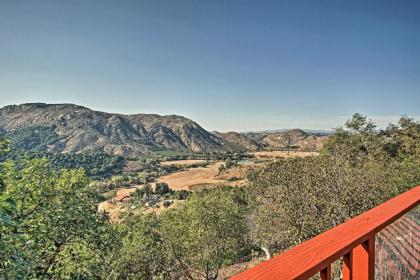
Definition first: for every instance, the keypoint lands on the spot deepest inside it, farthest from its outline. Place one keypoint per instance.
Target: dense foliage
(54, 229)
(35, 138)
(96, 164)
(205, 233)
(33, 142)
(50, 227)
(140, 254)
(360, 168)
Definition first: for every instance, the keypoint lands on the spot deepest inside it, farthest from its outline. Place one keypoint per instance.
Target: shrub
(167, 203)
(181, 194)
(162, 188)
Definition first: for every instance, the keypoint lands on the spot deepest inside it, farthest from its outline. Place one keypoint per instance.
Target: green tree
(297, 199)
(162, 188)
(356, 143)
(57, 231)
(360, 167)
(207, 232)
(7, 211)
(4, 148)
(140, 255)
(403, 139)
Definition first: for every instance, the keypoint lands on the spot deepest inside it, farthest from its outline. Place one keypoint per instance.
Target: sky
(229, 65)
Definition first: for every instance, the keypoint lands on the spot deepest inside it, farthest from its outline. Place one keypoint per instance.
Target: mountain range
(69, 128)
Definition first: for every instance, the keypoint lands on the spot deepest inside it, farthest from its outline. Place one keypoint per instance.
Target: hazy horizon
(229, 66)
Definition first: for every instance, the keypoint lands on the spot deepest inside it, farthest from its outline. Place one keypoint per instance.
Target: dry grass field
(186, 180)
(192, 178)
(283, 154)
(183, 162)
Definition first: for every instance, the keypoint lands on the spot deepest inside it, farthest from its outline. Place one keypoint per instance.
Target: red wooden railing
(353, 240)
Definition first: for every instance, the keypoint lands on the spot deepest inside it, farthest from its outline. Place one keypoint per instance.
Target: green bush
(162, 188)
(167, 203)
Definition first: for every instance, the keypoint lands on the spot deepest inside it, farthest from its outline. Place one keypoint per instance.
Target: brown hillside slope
(296, 138)
(80, 129)
(240, 141)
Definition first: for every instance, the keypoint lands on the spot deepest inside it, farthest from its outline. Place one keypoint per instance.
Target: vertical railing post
(363, 260)
(326, 273)
(348, 266)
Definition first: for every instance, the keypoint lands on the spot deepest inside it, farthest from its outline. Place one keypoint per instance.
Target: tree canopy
(360, 167)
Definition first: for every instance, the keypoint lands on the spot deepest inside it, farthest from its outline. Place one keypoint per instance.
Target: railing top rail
(310, 257)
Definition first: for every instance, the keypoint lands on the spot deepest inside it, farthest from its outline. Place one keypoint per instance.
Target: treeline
(32, 138)
(97, 165)
(50, 227)
(175, 155)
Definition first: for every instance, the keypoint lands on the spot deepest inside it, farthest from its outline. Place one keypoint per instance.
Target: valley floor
(196, 177)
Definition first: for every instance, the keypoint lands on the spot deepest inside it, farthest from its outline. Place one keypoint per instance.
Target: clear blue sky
(229, 65)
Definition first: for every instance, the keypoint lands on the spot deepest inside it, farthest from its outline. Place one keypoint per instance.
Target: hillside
(295, 138)
(72, 128)
(69, 128)
(240, 141)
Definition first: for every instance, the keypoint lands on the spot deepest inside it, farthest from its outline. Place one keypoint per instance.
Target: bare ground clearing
(125, 192)
(112, 206)
(113, 210)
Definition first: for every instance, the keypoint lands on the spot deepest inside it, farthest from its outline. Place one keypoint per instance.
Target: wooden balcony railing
(353, 240)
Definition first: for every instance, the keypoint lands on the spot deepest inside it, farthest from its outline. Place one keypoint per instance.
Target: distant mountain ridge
(311, 131)
(69, 128)
(80, 129)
